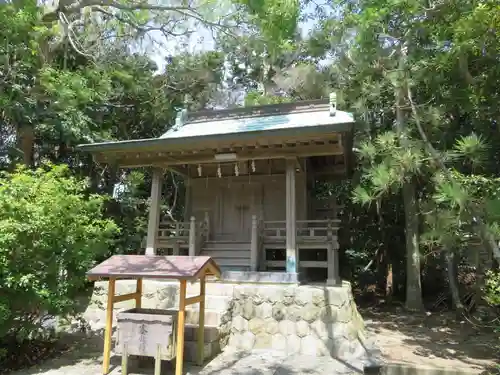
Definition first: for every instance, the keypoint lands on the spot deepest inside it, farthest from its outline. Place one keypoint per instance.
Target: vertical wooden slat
(158, 360)
(254, 245)
(109, 327)
(192, 236)
(154, 212)
(291, 225)
(201, 323)
(179, 362)
(138, 290)
(124, 360)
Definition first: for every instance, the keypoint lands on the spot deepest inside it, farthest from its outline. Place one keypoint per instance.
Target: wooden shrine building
(249, 176)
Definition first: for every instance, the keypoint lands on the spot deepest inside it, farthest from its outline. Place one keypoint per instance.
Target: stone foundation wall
(296, 319)
(312, 320)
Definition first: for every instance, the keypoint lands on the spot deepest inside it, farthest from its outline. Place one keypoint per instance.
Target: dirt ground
(433, 339)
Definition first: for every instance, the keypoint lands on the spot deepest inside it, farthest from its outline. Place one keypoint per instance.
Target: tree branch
(486, 237)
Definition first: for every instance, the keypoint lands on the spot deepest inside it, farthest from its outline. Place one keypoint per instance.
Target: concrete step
(227, 245)
(225, 269)
(218, 303)
(212, 289)
(212, 317)
(210, 350)
(232, 261)
(191, 333)
(226, 253)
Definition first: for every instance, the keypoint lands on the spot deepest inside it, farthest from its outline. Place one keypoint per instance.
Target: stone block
(272, 326)
(212, 318)
(303, 295)
(309, 346)
(191, 333)
(271, 293)
(302, 328)
(210, 350)
(248, 309)
(278, 312)
(328, 313)
(256, 326)
(248, 340)
(318, 298)
(288, 296)
(319, 329)
(344, 313)
(292, 344)
(293, 313)
(257, 299)
(336, 295)
(239, 324)
(337, 330)
(278, 342)
(264, 310)
(263, 341)
(310, 312)
(242, 341)
(287, 327)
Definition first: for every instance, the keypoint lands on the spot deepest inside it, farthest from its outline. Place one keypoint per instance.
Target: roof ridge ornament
(180, 119)
(333, 104)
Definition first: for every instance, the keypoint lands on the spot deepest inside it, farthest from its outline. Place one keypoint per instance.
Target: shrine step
(210, 350)
(211, 338)
(216, 303)
(191, 333)
(212, 317)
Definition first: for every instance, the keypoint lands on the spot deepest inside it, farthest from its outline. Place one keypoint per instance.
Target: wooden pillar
(291, 229)
(207, 225)
(333, 262)
(254, 245)
(201, 323)
(176, 249)
(188, 198)
(192, 236)
(154, 212)
(109, 327)
(179, 358)
(138, 290)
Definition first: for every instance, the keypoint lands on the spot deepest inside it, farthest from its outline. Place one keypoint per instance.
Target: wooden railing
(306, 230)
(174, 229)
(191, 233)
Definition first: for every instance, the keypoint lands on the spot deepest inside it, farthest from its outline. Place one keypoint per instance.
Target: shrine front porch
(262, 258)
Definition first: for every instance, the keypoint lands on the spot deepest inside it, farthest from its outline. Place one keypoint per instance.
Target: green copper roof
(241, 124)
(217, 125)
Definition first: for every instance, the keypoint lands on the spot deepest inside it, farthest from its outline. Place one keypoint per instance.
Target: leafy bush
(492, 288)
(51, 232)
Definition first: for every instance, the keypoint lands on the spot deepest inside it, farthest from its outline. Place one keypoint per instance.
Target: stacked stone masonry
(310, 320)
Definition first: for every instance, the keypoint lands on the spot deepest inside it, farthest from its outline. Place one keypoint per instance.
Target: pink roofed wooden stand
(182, 268)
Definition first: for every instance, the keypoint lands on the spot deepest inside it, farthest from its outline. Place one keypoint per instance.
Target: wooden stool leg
(201, 324)
(179, 356)
(158, 360)
(124, 360)
(109, 327)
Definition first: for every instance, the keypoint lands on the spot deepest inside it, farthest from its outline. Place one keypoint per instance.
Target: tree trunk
(26, 141)
(413, 284)
(451, 266)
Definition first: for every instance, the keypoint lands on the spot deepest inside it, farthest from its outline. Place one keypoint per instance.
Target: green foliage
(277, 21)
(256, 98)
(492, 288)
(51, 232)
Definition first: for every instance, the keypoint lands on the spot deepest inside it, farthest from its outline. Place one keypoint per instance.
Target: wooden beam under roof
(208, 156)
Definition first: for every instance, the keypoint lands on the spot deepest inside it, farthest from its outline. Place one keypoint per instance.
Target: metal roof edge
(149, 143)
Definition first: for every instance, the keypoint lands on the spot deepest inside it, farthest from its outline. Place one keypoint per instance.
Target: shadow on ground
(433, 336)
